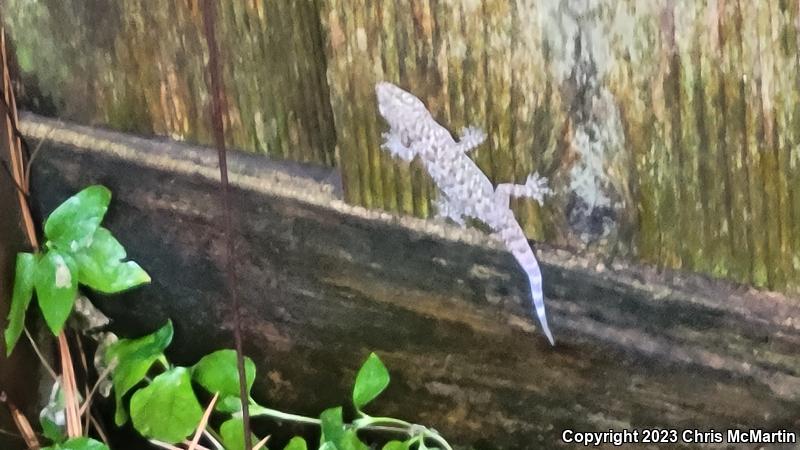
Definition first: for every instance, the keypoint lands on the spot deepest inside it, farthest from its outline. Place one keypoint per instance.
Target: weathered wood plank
(322, 283)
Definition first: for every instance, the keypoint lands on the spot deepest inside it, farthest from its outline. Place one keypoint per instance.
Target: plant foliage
(163, 398)
(77, 251)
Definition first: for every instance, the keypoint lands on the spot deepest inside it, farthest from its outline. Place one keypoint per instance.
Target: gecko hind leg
(535, 187)
(446, 210)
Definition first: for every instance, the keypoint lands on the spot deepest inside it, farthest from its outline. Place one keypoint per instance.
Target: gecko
(465, 191)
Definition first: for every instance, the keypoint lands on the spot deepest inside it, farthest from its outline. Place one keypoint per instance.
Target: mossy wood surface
(323, 283)
(669, 128)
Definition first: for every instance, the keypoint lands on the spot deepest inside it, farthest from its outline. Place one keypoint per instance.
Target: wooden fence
(668, 128)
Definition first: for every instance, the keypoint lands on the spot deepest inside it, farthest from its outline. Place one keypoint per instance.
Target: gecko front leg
(470, 138)
(397, 148)
(535, 187)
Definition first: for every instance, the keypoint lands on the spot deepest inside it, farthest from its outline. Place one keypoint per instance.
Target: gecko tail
(538, 304)
(516, 242)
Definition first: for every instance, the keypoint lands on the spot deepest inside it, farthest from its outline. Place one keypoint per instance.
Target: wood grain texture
(669, 128)
(446, 311)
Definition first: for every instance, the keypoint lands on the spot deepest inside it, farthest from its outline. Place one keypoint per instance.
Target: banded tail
(515, 241)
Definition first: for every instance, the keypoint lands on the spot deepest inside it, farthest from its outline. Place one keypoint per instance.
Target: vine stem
(258, 410)
(209, 19)
(364, 423)
(408, 427)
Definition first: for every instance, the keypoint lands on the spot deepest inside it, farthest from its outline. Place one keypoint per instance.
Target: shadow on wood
(323, 283)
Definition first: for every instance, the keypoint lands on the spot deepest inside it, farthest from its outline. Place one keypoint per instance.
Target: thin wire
(209, 16)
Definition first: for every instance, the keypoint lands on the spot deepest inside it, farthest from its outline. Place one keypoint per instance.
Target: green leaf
(56, 282)
(297, 443)
(167, 409)
(51, 430)
(332, 425)
(82, 443)
(100, 265)
(134, 359)
(334, 433)
(72, 225)
(51, 417)
(371, 380)
(350, 441)
(21, 298)
(229, 404)
(232, 432)
(395, 445)
(217, 372)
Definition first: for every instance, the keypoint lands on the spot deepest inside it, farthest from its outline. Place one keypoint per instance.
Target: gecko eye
(407, 98)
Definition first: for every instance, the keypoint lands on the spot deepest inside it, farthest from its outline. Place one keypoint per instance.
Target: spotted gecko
(466, 191)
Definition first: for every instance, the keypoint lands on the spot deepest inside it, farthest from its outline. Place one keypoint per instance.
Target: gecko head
(400, 108)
